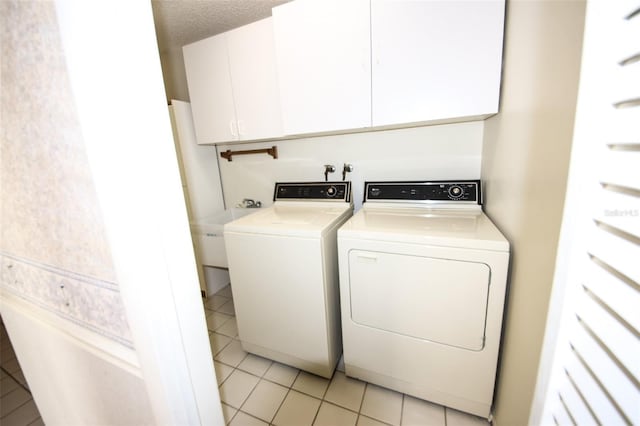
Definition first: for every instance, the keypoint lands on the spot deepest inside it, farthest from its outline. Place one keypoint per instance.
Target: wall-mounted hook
(328, 168)
(346, 169)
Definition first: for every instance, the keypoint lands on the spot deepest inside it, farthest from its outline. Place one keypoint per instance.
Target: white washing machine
(283, 264)
(423, 275)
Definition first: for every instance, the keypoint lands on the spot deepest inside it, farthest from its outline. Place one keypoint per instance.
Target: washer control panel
(464, 191)
(313, 191)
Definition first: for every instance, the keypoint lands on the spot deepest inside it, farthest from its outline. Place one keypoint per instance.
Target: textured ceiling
(180, 22)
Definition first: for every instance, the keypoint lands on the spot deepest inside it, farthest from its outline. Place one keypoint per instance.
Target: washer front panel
(282, 263)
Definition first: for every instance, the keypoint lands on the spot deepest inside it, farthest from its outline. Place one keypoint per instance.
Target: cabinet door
(435, 59)
(324, 64)
(252, 65)
(207, 67)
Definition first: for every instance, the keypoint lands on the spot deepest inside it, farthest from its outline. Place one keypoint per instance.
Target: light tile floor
(258, 391)
(17, 407)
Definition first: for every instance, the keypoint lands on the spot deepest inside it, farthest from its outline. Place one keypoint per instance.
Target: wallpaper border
(86, 301)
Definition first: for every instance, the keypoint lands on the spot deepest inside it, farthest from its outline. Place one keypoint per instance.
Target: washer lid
(213, 224)
(304, 219)
(461, 228)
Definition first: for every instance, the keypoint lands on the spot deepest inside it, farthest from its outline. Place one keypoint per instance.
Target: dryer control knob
(455, 191)
(331, 191)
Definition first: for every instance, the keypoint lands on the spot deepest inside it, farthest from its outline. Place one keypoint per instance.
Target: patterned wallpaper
(53, 247)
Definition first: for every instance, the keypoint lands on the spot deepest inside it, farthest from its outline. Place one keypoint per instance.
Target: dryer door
(439, 300)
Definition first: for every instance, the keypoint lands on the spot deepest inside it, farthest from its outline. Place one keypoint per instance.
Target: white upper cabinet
(323, 52)
(233, 85)
(255, 80)
(435, 59)
(207, 67)
(320, 66)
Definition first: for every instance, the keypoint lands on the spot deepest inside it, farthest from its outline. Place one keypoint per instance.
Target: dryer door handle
(367, 258)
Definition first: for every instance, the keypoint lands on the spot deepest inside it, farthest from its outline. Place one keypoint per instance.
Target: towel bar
(273, 151)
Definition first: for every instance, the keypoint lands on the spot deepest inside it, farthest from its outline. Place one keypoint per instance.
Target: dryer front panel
(427, 298)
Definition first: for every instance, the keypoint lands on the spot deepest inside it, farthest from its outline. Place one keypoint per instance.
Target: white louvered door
(592, 347)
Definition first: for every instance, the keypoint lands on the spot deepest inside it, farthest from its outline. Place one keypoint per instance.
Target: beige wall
(525, 166)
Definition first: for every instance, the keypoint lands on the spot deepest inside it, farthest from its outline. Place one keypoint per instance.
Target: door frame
(116, 78)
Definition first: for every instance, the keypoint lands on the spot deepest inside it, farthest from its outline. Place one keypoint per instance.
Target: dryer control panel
(313, 191)
(463, 191)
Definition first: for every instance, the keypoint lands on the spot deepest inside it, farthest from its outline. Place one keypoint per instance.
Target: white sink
(208, 236)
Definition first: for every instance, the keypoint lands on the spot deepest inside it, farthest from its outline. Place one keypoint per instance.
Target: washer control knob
(332, 191)
(455, 191)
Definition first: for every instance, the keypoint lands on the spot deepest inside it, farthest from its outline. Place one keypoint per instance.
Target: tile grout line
(366, 385)
(223, 347)
(39, 418)
(234, 369)
(320, 405)
(251, 415)
(285, 397)
(323, 400)
(329, 384)
(232, 417)
(224, 380)
(227, 378)
(8, 351)
(19, 406)
(308, 394)
(340, 406)
(16, 380)
(250, 393)
(280, 406)
(261, 377)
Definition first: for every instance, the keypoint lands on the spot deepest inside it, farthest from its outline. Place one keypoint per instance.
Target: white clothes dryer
(283, 264)
(423, 275)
